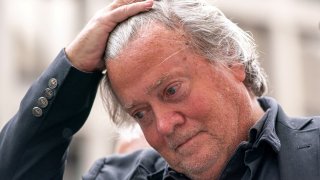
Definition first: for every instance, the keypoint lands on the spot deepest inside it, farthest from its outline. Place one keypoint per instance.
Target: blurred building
(32, 32)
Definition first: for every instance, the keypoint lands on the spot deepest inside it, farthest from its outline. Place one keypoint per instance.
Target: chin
(200, 166)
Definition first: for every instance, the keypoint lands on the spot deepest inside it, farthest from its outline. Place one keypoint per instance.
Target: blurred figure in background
(131, 140)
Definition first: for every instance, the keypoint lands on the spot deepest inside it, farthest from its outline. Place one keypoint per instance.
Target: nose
(167, 119)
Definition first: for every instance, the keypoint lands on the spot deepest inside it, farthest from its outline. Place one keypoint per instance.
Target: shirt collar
(167, 173)
(264, 129)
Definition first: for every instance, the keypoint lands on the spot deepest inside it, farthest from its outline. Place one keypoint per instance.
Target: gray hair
(208, 31)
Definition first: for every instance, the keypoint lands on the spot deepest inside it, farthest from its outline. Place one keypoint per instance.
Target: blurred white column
(286, 60)
(7, 72)
(3, 57)
(93, 6)
(57, 23)
(99, 135)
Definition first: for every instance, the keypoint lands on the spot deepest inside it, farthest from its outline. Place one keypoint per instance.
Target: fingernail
(148, 8)
(149, 4)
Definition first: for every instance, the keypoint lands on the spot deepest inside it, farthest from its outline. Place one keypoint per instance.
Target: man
(188, 76)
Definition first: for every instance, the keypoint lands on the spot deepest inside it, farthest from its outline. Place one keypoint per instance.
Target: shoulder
(140, 163)
(300, 123)
(298, 155)
(297, 123)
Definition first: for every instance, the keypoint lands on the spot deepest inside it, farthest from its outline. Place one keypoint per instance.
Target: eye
(171, 91)
(175, 92)
(138, 115)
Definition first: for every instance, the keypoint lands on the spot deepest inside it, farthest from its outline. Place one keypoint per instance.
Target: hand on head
(86, 50)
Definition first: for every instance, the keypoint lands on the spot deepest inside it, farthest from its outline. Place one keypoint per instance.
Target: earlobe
(238, 70)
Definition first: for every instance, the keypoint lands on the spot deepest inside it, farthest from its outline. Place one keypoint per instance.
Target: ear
(238, 70)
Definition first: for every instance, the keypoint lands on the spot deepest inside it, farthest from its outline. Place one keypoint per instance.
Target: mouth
(183, 140)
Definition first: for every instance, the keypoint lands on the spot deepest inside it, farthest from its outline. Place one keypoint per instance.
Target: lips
(179, 140)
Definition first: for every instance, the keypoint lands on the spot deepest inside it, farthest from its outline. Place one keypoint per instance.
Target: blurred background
(32, 32)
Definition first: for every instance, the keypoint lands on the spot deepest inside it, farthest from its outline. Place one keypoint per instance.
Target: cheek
(198, 107)
(209, 109)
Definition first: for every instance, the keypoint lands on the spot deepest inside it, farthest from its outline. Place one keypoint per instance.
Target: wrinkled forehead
(127, 33)
(149, 45)
(147, 52)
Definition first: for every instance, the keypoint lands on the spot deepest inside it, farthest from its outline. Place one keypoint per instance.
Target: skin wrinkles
(198, 127)
(157, 83)
(168, 58)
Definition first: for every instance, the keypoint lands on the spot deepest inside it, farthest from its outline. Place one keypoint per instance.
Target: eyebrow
(128, 106)
(164, 77)
(157, 83)
(154, 86)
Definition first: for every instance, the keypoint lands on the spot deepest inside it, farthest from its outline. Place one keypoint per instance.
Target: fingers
(86, 51)
(125, 11)
(117, 3)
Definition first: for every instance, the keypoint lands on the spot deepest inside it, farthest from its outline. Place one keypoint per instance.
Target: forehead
(149, 62)
(155, 36)
(150, 48)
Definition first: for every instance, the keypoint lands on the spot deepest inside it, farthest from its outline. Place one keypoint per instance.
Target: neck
(257, 112)
(249, 116)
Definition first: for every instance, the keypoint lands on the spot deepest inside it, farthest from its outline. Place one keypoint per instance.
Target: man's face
(190, 110)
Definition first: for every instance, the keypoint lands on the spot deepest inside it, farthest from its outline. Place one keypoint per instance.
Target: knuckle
(125, 9)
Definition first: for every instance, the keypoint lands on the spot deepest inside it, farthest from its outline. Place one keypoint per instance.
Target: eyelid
(145, 120)
(143, 109)
(175, 84)
(136, 113)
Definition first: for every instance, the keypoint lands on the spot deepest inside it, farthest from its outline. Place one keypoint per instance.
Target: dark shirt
(253, 159)
(33, 144)
(257, 158)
